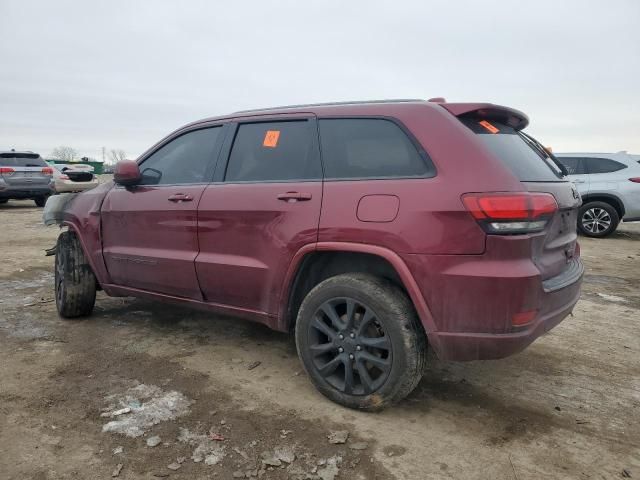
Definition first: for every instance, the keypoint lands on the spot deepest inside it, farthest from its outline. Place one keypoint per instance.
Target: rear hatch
(24, 170)
(554, 246)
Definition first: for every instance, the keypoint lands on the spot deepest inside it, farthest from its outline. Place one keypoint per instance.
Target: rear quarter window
(355, 148)
(602, 165)
(513, 151)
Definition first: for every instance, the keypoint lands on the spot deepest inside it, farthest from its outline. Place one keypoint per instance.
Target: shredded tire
(75, 283)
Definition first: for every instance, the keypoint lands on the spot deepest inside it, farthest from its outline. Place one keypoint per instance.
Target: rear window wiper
(543, 152)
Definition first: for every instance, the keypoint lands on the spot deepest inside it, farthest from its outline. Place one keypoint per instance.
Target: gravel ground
(142, 391)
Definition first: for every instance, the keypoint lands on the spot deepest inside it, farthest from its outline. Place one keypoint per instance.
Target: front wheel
(40, 201)
(360, 341)
(75, 283)
(597, 219)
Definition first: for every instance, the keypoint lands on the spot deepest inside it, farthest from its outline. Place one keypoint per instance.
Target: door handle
(180, 197)
(579, 180)
(294, 196)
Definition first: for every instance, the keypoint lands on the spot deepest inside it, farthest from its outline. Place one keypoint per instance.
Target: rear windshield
(526, 162)
(21, 160)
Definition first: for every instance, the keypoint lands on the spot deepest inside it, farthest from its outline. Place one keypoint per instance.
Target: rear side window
(602, 165)
(574, 165)
(369, 148)
(186, 159)
(525, 162)
(274, 151)
(25, 160)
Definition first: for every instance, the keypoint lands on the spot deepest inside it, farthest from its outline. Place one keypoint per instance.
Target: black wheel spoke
(323, 327)
(381, 343)
(322, 348)
(330, 311)
(348, 377)
(363, 373)
(351, 310)
(331, 366)
(381, 363)
(366, 320)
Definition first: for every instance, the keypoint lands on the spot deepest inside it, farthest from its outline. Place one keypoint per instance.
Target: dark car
(374, 230)
(25, 175)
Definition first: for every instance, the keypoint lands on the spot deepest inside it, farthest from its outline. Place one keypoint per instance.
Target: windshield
(518, 152)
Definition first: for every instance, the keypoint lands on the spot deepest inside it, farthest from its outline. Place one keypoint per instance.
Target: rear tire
(371, 333)
(597, 219)
(75, 283)
(40, 201)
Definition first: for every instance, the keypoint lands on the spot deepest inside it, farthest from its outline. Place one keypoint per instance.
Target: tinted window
(574, 165)
(274, 151)
(602, 165)
(525, 162)
(369, 148)
(186, 159)
(22, 161)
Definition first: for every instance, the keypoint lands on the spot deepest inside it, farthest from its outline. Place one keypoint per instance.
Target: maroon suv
(371, 229)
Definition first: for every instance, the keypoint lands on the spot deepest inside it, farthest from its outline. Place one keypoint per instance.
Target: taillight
(6, 171)
(635, 179)
(510, 213)
(47, 170)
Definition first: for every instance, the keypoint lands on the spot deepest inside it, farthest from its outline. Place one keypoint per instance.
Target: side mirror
(127, 173)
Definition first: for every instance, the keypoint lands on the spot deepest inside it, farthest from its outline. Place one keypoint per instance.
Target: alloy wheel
(349, 347)
(596, 220)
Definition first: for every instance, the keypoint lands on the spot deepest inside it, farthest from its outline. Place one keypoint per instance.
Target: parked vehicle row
(610, 187)
(26, 175)
(372, 230)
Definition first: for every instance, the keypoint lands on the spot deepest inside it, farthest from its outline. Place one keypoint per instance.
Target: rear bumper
(473, 299)
(486, 346)
(32, 191)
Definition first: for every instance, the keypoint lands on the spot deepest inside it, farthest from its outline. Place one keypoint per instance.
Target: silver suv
(25, 175)
(610, 187)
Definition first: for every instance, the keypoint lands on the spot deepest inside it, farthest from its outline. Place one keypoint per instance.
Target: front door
(149, 231)
(264, 207)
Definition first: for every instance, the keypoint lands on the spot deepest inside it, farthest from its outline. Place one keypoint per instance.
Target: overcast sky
(122, 74)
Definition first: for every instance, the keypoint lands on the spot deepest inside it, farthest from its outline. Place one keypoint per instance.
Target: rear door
(552, 249)
(576, 167)
(263, 207)
(149, 231)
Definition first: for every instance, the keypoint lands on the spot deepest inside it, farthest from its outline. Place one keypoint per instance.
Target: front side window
(369, 148)
(274, 151)
(602, 165)
(186, 159)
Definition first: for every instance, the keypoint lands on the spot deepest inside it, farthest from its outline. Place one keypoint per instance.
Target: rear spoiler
(509, 116)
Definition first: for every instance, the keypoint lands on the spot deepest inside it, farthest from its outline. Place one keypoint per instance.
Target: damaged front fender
(54, 209)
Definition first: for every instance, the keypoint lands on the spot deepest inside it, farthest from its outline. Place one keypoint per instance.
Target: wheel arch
(317, 262)
(613, 200)
(100, 273)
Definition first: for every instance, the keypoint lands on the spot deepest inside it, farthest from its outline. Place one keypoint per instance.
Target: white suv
(610, 187)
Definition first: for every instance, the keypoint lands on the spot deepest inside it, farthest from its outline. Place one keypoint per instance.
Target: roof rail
(331, 104)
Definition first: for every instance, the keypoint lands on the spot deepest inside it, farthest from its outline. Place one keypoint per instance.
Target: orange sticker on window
(488, 126)
(271, 138)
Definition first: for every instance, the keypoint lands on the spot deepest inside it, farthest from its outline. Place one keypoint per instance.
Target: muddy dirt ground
(567, 407)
